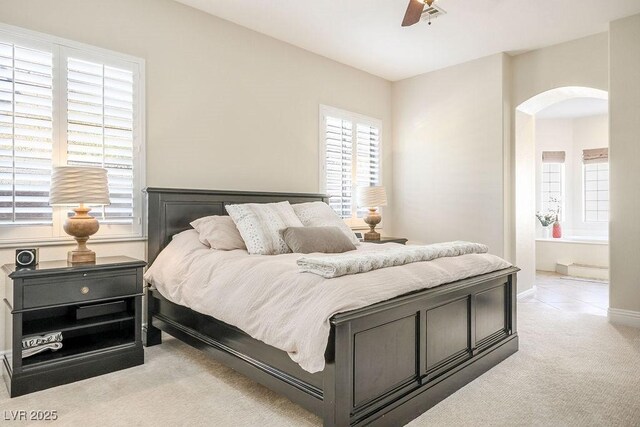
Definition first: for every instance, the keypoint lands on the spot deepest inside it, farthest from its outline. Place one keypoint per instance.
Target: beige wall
(624, 146)
(524, 209)
(448, 154)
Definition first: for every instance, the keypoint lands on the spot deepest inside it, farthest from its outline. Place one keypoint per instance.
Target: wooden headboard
(170, 210)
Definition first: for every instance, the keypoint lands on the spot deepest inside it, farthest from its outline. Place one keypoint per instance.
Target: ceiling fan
(414, 11)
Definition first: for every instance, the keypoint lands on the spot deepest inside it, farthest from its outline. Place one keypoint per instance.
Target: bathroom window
(596, 192)
(552, 187)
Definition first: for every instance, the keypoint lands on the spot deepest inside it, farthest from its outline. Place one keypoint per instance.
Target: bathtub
(585, 250)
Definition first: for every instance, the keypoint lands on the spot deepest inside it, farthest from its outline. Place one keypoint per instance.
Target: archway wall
(583, 62)
(624, 152)
(578, 63)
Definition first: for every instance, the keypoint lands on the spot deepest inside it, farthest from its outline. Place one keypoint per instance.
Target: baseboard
(526, 293)
(624, 317)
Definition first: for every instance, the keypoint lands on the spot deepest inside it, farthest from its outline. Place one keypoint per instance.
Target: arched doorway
(528, 184)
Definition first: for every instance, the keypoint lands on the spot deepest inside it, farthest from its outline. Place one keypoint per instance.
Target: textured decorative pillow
(305, 240)
(320, 214)
(260, 224)
(219, 232)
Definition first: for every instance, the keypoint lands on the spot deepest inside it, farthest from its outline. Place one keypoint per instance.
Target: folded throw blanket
(38, 340)
(330, 266)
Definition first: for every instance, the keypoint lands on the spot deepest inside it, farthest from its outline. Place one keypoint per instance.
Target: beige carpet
(572, 369)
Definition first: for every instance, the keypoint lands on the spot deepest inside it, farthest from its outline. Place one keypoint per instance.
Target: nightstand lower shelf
(83, 345)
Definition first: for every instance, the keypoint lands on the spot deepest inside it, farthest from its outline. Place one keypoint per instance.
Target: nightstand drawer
(78, 287)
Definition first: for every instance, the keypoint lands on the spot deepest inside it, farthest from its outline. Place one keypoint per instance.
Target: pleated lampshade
(371, 197)
(74, 185)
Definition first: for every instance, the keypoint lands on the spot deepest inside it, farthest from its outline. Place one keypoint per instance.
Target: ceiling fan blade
(413, 13)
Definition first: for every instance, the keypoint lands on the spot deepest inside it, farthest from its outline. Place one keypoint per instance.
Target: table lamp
(79, 186)
(371, 198)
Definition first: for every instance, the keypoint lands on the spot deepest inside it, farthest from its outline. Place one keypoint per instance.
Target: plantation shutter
(26, 132)
(368, 163)
(338, 164)
(100, 129)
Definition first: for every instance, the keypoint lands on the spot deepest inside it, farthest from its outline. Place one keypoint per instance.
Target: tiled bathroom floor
(569, 294)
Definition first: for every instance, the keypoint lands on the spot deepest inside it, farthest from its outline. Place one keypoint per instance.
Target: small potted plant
(551, 217)
(546, 219)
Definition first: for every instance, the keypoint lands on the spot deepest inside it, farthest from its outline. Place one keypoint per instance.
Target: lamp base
(372, 219)
(81, 257)
(371, 236)
(81, 226)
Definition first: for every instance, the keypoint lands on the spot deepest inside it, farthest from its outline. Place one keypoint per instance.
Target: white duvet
(270, 299)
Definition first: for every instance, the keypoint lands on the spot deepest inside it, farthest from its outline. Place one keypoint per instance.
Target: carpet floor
(573, 369)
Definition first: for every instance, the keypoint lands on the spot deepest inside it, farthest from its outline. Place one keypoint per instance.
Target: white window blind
(350, 157)
(26, 131)
(100, 107)
(63, 102)
(338, 163)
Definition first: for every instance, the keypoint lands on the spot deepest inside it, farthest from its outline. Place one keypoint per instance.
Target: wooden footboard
(386, 363)
(394, 360)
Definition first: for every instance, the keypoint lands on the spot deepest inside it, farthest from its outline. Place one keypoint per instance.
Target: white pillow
(320, 214)
(219, 232)
(171, 265)
(260, 224)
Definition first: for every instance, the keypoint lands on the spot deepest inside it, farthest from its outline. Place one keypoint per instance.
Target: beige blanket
(268, 298)
(354, 262)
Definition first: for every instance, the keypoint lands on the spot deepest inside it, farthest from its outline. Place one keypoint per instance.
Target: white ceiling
(366, 34)
(574, 108)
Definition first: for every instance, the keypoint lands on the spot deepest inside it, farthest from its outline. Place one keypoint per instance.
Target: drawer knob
(84, 290)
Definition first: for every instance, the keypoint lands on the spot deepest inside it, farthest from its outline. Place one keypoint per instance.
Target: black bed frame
(385, 363)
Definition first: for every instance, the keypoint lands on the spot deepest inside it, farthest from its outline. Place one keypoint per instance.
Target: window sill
(62, 241)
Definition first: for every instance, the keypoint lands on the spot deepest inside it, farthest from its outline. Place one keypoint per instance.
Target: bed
(385, 363)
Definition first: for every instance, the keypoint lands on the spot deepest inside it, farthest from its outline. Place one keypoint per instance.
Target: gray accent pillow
(305, 240)
(320, 214)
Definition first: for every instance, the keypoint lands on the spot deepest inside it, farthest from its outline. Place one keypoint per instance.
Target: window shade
(595, 155)
(26, 130)
(338, 163)
(553, 156)
(100, 124)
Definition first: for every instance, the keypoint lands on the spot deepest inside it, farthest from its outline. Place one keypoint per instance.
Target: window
(350, 157)
(552, 187)
(64, 103)
(596, 192)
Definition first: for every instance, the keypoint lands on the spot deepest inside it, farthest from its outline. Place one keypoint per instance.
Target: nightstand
(96, 307)
(384, 239)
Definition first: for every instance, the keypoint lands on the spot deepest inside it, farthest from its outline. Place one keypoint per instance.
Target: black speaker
(26, 258)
